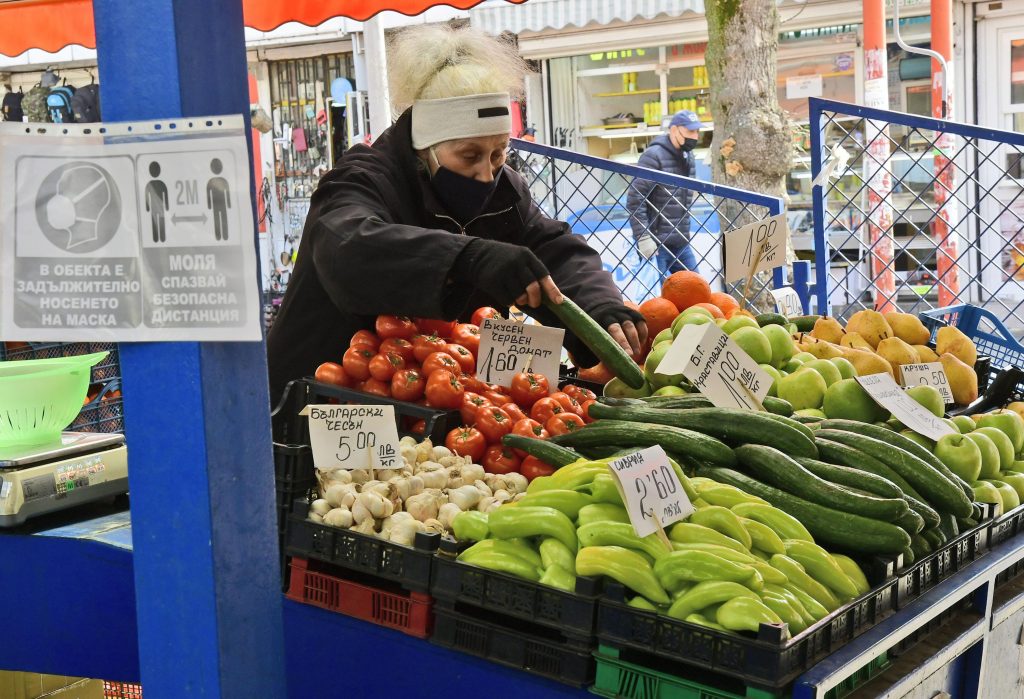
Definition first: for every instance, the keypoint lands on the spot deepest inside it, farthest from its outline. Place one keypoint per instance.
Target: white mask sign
(353, 436)
(891, 396)
(650, 490)
(506, 347)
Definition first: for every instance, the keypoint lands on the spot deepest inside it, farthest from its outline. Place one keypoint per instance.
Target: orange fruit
(597, 374)
(686, 288)
(659, 314)
(629, 303)
(726, 303)
(715, 310)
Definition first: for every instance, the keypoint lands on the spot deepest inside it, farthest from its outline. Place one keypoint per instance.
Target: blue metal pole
(196, 415)
(821, 251)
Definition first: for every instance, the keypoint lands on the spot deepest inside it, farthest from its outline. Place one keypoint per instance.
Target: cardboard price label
(651, 490)
(931, 374)
(787, 301)
(757, 247)
(506, 346)
(353, 436)
(891, 396)
(717, 367)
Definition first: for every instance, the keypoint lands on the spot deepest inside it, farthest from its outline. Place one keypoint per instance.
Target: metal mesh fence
(613, 204)
(923, 214)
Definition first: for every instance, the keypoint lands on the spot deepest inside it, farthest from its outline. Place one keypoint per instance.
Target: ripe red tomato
(493, 422)
(395, 326)
(484, 312)
(471, 403)
(384, 366)
(532, 467)
(579, 393)
(425, 345)
(467, 441)
(528, 388)
(463, 356)
(499, 459)
(365, 338)
(418, 427)
(376, 387)
(356, 362)
(472, 383)
(543, 409)
(408, 384)
(529, 428)
(569, 403)
(514, 412)
(496, 397)
(403, 348)
(586, 410)
(467, 335)
(444, 390)
(429, 326)
(441, 361)
(563, 423)
(332, 373)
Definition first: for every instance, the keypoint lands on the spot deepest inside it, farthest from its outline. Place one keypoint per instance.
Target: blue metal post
(801, 283)
(196, 415)
(821, 278)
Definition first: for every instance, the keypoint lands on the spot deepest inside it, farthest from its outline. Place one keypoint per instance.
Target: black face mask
(463, 197)
(688, 144)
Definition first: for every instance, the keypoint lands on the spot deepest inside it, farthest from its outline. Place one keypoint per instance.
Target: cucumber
(908, 556)
(920, 546)
(948, 527)
(934, 537)
(778, 406)
(775, 468)
(844, 475)
(940, 492)
(791, 421)
(910, 522)
(627, 434)
(771, 319)
(551, 454)
(843, 529)
(598, 341)
(735, 426)
(808, 419)
(613, 400)
(773, 405)
(804, 324)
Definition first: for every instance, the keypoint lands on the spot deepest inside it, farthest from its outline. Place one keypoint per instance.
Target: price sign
(717, 367)
(891, 396)
(353, 436)
(757, 247)
(787, 301)
(506, 346)
(931, 374)
(650, 490)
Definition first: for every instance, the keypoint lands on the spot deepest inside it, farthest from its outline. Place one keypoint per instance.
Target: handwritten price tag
(353, 436)
(651, 490)
(717, 367)
(757, 247)
(787, 301)
(506, 346)
(891, 396)
(931, 374)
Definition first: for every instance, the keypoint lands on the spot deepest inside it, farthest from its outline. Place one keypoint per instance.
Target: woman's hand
(630, 335)
(537, 291)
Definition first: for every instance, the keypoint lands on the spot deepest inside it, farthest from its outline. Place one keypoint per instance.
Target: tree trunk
(752, 147)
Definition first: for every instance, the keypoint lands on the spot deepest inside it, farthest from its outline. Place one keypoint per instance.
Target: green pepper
(727, 495)
(505, 563)
(798, 577)
(819, 565)
(470, 526)
(781, 606)
(624, 566)
(692, 533)
(603, 489)
(763, 555)
(688, 488)
(619, 534)
(702, 620)
(511, 522)
(509, 547)
(722, 520)
(541, 484)
(639, 602)
(699, 482)
(681, 589)
(814, 608)
(704, 594)
(578, 474)
(769, 574)
(602, 512)
(745, 614)
(568, 502)
(554, 553)
(794, 602)
(763, 536)
(782, 523)
(557, 576)
(853, 571)
(698, 566)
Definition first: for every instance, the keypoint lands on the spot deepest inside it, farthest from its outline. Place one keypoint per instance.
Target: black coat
(376, 241)
(664, 212)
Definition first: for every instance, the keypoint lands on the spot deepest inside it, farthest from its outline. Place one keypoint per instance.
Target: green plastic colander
(41, 397)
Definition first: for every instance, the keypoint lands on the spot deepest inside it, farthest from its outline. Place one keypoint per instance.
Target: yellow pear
(951, 340)
(867, 362)
(871, 325)
(963, 380)
(908, 327)
(819, 348)
(1017, 407)
(897, 352)
(926, 353)
(856, 341)
(827, 329)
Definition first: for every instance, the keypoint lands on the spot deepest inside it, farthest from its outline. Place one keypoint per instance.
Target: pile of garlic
(424, 496)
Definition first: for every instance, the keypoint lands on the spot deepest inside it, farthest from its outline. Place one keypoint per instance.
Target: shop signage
(930, 374)
(757, 247)
(787, 301)
(353, 436)
(803, 86)
(891, 396)
(508, 347)
(141, 233)
(651, 490)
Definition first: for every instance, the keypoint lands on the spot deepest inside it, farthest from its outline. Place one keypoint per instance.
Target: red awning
(51, 25)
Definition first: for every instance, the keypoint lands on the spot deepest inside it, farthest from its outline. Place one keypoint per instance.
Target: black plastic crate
(409, 566)
(103, 413)
(109, 368)
(1006, 526)
(294, 478)
(768, 661)
(548, 657)
(570, 375)
(954, 556)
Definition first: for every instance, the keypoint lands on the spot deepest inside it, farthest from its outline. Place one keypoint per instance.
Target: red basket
(408, 612)
(121, 690)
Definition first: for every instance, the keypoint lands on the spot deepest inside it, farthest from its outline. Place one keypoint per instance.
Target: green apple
(952, 425)
(617, 388)
(1015, 480)
(776, 377)
(845, 366)
(783, 347)
(654, 358)
(698, 310)
(930, 398)
(664, 336)
(986, 492)
(670, 391)
(803, 389)
(1018, 467)
(792, 329)
(684, 319)
(964, 423)
(960, 455)
(1007, 493)
(989, 453)
(791, 366)
(1003, 444)
(811, 412)
(1009, 422)
(828, 370)
(920, 439)
(739, 321)
(755, 343)
(720, 322)
(845, 399)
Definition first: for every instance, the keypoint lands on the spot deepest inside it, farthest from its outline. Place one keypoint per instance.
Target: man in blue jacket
(659, 215)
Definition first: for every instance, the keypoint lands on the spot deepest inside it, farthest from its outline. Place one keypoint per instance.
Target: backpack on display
(58, 104)
(12, 106)
(33, 104)
(85, 104)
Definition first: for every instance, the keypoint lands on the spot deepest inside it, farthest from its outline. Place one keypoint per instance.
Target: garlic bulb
(518, 496)
(423, 506)
(465, 497)
(408, 452)
(336, 493)
(502, 496)
(455, 479)
(360, 513)
(433, 526)
(339, 517)
(447, 513)
(314, 517)
(367, 526)
(377, 504)
(378, 487)
(416, 485)
(320, 507)
(473, 472)
(407, 441)
(488, 504)
(483, 488)
(338, 475)
(516, 483)
(439, 452)
(451, 460)
(386, 474)
(349, 498)
(389, 523)
(405, 532)
(434, 479)
(423, 451)
(361, 475)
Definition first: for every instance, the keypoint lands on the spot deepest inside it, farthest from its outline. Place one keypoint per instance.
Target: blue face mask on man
(463, 197)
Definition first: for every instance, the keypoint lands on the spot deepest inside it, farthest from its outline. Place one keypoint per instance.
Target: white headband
(434, 121)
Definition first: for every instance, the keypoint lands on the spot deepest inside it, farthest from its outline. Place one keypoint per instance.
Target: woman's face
(480, 158)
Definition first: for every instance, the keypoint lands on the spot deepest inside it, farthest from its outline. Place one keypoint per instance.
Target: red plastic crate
(121, 690)
(408, 612)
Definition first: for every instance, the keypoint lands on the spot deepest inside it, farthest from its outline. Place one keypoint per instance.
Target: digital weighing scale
(81, 468)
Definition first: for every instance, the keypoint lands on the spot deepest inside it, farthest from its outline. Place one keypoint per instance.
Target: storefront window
(1017, 72)
(832, 76)
(619, 57)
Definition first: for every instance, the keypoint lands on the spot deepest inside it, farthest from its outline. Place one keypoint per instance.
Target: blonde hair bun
(434, 62)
